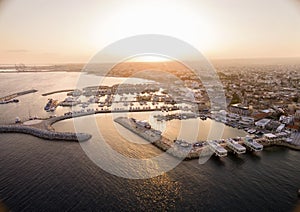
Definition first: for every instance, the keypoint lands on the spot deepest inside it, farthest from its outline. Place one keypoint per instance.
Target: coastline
(168, 146)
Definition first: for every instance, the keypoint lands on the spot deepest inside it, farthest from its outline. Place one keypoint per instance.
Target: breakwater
(45, 134)
(11, 96)
(45, 130)
(59, 91)
(164, 144)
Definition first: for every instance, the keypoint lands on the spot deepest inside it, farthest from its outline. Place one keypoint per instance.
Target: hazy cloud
(2, 3)
(296, 1)
(17, 50)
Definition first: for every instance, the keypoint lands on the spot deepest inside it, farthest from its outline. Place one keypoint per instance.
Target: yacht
(235, 146)
(253, 145)
(217, 148)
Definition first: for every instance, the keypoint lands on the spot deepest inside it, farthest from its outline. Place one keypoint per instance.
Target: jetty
(43, 129)
(60, 91)
(177, 149)
(45, 134)
(8, 98)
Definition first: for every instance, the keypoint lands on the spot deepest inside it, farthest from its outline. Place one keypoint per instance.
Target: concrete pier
(164, 144)
(59, 91)
(45, 134)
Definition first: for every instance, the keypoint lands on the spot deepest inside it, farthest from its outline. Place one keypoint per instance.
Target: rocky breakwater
(45, 134)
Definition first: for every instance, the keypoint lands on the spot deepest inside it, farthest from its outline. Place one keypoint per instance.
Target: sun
(149, 58)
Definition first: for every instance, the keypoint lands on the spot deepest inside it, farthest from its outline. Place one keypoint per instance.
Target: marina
(65, 160)
(100, 99)
(186, 150)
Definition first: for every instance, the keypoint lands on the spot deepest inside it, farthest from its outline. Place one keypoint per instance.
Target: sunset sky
(68, 31)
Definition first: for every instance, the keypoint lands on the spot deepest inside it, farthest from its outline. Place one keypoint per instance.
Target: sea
(43, 175)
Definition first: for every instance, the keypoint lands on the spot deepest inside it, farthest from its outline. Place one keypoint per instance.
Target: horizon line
(167, 61)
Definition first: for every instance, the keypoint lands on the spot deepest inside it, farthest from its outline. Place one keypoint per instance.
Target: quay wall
(280, 143)
(45, 134)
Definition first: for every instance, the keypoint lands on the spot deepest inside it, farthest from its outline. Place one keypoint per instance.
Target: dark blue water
(42, 175)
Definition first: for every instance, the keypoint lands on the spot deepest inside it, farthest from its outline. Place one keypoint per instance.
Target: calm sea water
(36, 174)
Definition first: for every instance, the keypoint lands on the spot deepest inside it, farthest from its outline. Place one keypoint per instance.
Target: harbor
(186, 150)
(149, 98)
(35, 159)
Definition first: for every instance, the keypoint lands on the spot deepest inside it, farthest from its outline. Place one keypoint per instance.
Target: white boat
(253, 145)
(217, 148)
(235, 146)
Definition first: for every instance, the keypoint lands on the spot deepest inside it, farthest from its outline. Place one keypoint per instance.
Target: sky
(73, 31)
